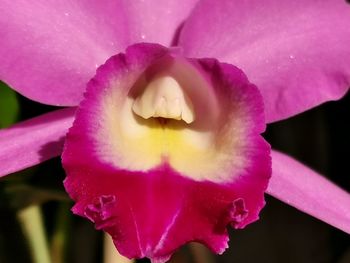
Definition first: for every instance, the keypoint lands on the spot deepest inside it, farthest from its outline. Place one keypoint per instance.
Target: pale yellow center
(173, 117)
(159, 125)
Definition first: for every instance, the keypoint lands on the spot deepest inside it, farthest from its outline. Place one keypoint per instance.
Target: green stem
(60, 235)
(200, 253)
(110, 253)
(31, 222)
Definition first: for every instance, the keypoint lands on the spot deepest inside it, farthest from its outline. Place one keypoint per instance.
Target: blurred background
(318, 138)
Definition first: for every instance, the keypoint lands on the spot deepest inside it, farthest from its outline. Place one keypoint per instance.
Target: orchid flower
(167, 101)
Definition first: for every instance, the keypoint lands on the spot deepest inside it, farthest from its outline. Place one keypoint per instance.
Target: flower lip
(217, 167)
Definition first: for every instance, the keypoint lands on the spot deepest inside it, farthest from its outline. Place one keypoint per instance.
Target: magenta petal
(155, 21)
(33, 141)
(49, 50)
(296, 52)
(299, 186)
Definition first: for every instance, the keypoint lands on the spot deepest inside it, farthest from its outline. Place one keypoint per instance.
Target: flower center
(164, 97)
(172, 113)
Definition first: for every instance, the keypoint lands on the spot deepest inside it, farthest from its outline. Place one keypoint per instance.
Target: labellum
(166, 150)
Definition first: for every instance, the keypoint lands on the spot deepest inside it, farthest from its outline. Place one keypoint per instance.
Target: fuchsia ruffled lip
(153, 183)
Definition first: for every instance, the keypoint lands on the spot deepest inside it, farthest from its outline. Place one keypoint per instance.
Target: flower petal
(296, 52)
(299, 186)
(50, 50)
(151, 210)
(33, 141)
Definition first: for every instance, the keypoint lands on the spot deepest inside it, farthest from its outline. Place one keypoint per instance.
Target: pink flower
(155, 184)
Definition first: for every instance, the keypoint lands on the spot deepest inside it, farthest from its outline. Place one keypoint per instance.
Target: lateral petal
(304, 189)
(296, 52)
(49, 50)
(33, 141)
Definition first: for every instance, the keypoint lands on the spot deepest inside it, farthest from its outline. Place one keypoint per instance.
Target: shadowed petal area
(152, 180)
(49, 50)
(296, 52)
(33, 141)
(299, 186)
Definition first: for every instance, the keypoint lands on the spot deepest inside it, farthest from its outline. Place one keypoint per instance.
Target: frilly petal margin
(296, 52)
(50, 50)
(33, 141)
(304, 189)
(150, 213)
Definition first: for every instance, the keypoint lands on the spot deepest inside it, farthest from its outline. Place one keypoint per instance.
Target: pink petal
(155, 21)
(296, 52)
(151, 212)
(33, 141)
(49, 50)
(299, 186)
